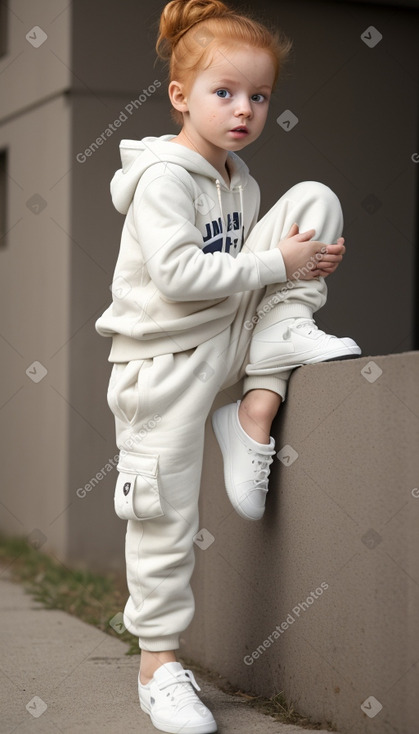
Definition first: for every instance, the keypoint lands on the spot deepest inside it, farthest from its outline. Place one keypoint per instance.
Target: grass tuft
(92, 597)
(96, 598)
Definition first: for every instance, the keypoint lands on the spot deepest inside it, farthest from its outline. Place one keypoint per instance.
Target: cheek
(210, 119)
(213, 112)
(262, 115)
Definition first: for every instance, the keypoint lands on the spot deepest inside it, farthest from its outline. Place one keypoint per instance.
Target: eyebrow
(224, 80)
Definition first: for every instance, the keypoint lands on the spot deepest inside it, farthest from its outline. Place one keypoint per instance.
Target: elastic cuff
(158, 644)
(265, 382)
(282, 311)
(271, 266)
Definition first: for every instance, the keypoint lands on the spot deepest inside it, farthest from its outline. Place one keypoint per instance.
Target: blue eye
(258, 98)
(223, 93)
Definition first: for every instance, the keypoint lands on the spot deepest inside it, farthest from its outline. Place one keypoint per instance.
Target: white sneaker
(294, 342)
(246, 463)
(172, 704)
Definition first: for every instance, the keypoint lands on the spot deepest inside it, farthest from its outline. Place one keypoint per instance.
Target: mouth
(240, 130)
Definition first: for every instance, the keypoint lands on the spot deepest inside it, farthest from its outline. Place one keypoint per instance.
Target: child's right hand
(305, 258)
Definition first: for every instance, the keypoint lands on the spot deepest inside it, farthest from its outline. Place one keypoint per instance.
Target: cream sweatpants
(161, 405)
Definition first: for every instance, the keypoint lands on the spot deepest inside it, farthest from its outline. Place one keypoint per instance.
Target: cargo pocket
(137, 495)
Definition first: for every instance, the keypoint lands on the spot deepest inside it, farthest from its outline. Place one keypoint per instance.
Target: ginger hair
(190, 30)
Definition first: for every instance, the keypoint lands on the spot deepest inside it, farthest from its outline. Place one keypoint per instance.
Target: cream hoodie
(182, 262)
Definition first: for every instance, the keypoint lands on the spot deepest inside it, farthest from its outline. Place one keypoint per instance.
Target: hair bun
(179, 16)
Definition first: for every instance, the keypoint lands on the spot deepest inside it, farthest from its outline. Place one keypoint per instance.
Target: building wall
(320, 598)
(357, 132)
(34, 67)
(34, 313)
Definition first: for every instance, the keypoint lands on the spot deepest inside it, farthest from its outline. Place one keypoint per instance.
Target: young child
(204, 295)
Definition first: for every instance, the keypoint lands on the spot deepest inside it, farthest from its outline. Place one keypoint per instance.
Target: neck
(216, 156)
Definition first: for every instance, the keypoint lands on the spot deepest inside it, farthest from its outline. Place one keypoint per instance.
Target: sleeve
(254, 193)
(171, 244)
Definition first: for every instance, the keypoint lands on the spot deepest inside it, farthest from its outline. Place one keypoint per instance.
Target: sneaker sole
(176, 728)
(218, 429)
(335, 356)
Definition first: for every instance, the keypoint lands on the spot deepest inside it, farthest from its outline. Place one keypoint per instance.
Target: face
(226, 107)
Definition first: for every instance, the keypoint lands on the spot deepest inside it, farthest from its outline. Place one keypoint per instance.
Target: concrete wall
(35, 67)
(34, 274)
(333, 568)
(357, 131)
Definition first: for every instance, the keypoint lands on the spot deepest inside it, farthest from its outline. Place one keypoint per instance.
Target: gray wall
(35, 127)
(357, 130)
(344, 513)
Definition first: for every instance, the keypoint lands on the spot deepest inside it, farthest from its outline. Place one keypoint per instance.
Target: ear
(178, 97)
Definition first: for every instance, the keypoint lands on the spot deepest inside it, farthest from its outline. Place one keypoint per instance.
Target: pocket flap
(137, 495)
(138, 463)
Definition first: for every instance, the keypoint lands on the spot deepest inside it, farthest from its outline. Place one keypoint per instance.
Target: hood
(138, 155)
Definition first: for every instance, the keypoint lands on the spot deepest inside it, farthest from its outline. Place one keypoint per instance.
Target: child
(204, 295)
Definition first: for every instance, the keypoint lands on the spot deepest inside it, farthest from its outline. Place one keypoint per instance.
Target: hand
(305, 258)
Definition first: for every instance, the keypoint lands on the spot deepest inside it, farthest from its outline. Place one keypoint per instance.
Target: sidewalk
(58, 674)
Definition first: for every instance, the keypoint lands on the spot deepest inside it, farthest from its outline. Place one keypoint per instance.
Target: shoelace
(181, 689)
(261, 470)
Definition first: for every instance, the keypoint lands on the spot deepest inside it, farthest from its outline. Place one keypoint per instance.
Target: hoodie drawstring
(220, 204)
(223, 223)
(242, 215)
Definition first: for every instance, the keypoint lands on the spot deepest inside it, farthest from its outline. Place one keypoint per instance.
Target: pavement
(59, 674)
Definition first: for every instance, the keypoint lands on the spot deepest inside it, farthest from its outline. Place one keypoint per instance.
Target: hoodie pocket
(137, 495)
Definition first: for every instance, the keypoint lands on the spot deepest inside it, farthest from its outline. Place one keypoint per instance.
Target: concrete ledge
(320, 599)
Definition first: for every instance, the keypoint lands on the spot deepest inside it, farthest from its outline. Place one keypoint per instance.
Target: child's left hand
(331, 256)
(331, 259)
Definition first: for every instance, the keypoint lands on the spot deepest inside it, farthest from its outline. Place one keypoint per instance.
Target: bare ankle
(256, 413)
(150, 661)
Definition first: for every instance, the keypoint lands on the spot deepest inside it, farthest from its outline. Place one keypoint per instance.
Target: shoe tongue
(166, 672)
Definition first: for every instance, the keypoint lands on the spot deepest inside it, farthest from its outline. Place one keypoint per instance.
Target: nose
(243, 107)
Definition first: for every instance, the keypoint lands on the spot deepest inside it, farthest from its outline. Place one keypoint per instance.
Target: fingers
(306, 258)
(293, 231)
(337, 249)
(305, 236)
(326, 260)
(299, 236)
(328, 271)
(330, 256)
(326, 268)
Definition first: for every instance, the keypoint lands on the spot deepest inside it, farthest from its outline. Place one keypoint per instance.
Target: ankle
(150, 661)
(256, 413)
